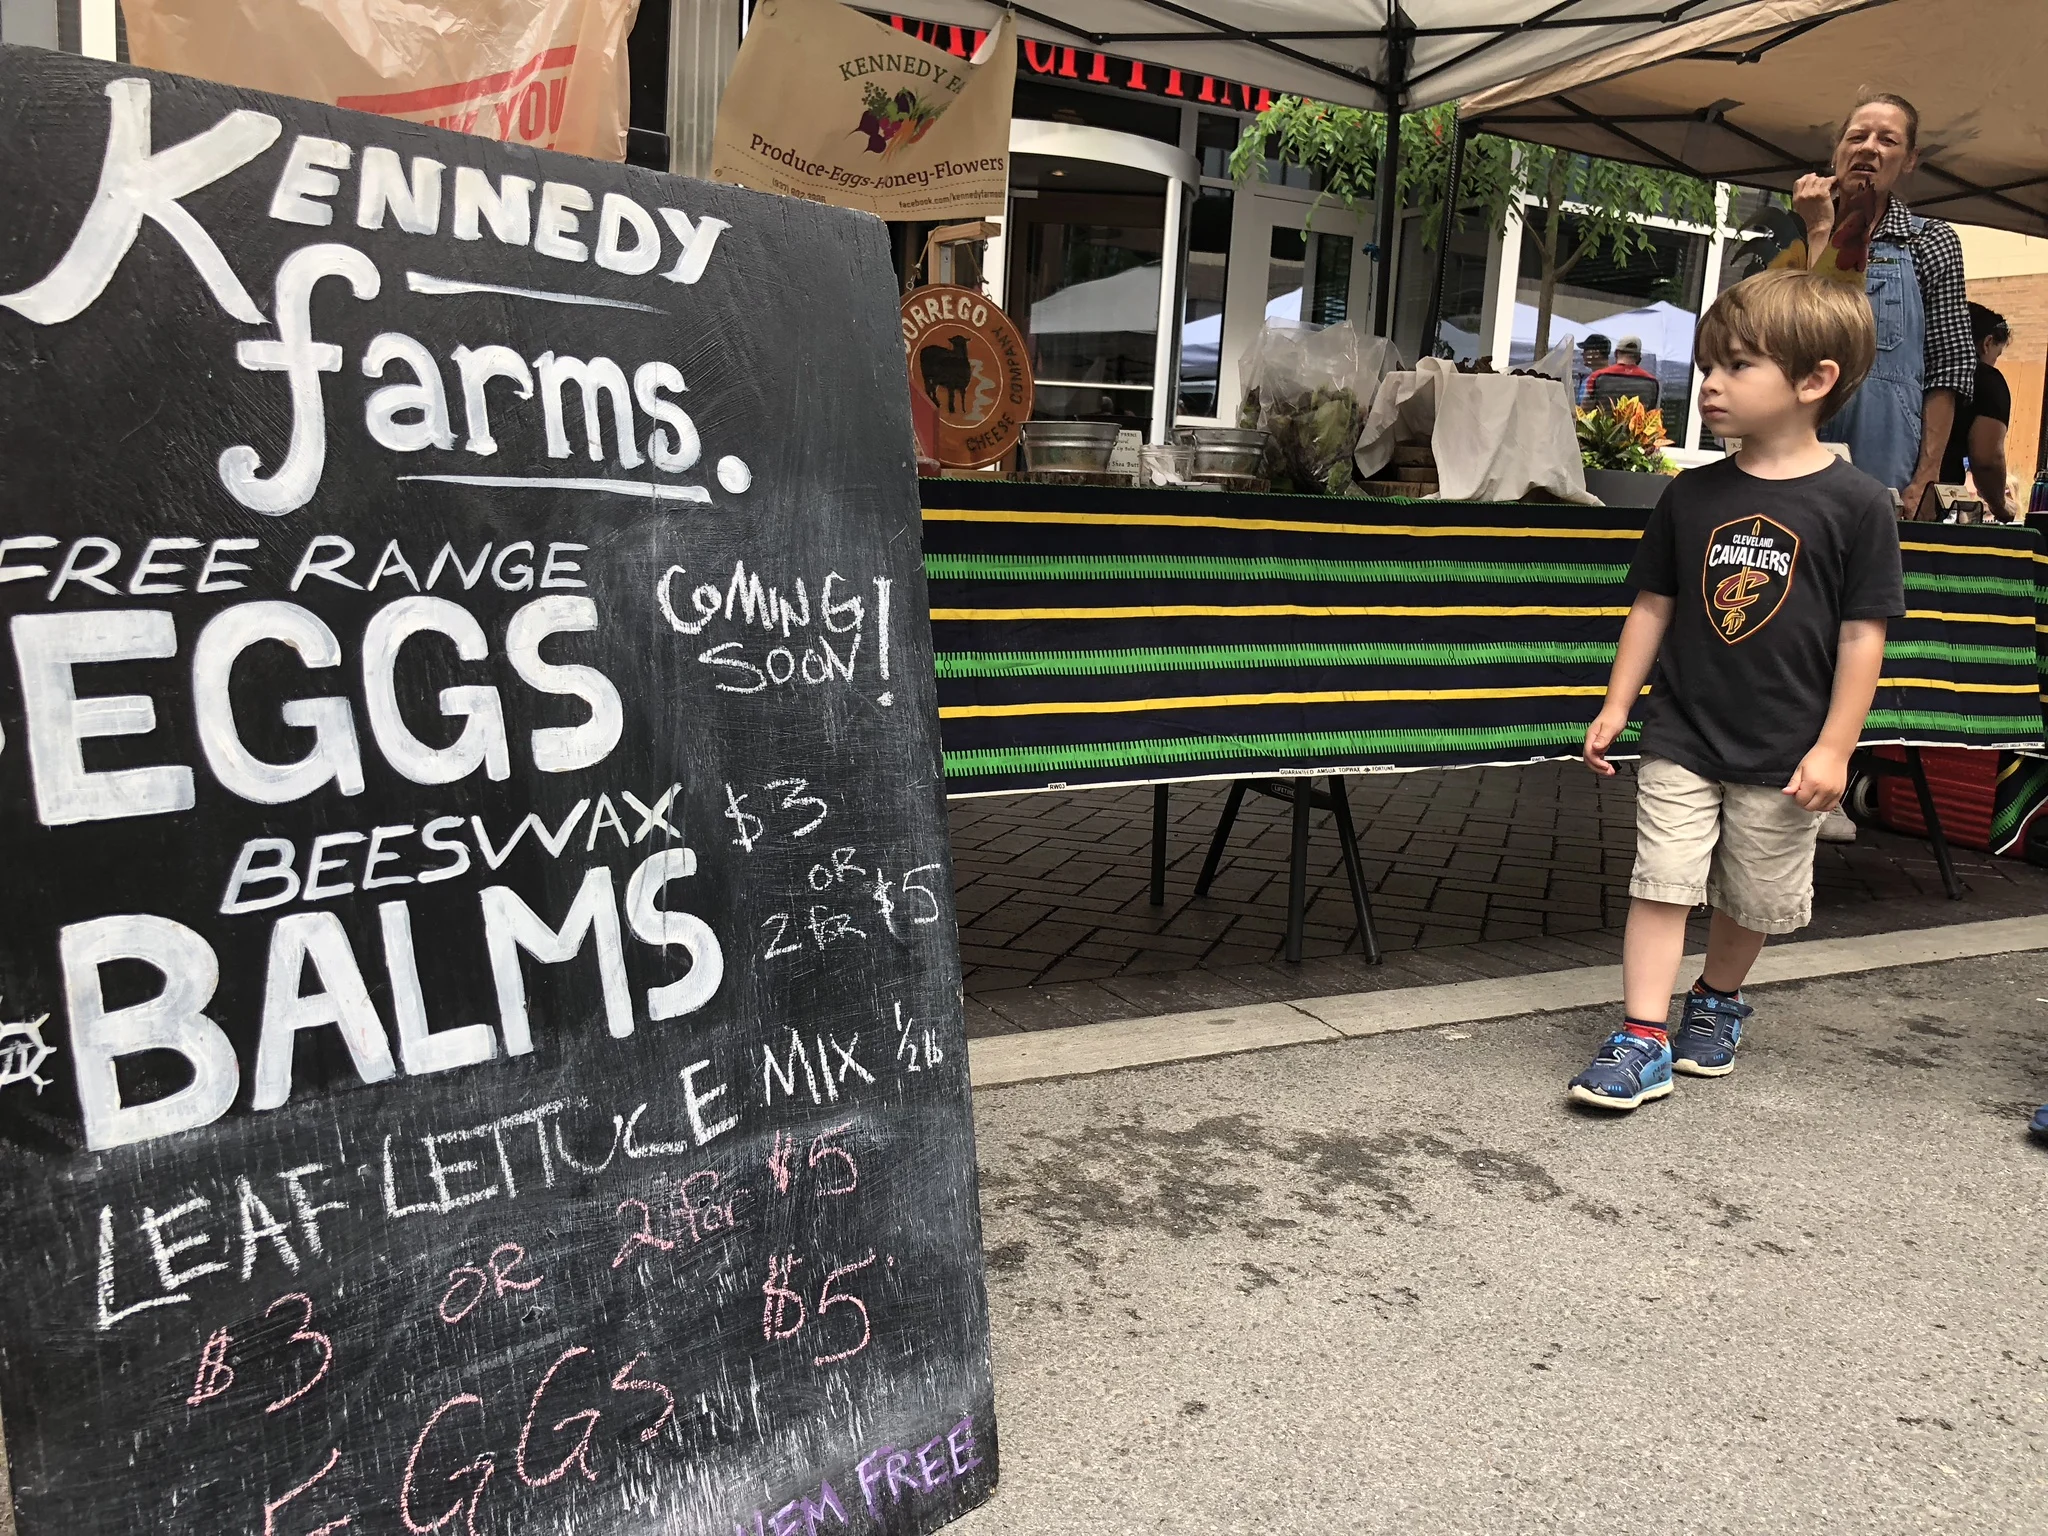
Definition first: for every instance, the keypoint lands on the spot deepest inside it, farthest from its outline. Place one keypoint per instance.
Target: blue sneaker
(1708, 1034)
(2038, 1127)
(1627, 1070)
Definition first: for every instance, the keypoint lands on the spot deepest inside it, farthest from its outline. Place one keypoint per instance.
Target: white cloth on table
(1496, 437)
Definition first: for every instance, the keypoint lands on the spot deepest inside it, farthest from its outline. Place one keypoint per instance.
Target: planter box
(1626, 488)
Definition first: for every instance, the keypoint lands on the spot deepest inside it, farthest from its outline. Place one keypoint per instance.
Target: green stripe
(1944, 650)
(2020, 799)
(1378, 745)
(2002, 586)
(1196, 658)
(2010, 727)
(972, 567)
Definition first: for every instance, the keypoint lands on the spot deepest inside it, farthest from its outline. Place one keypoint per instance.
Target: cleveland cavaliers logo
(1748, 572)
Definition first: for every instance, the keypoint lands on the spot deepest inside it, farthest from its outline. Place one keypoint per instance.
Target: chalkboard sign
(481, 1044)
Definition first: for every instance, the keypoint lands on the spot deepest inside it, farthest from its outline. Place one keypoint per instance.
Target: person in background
(1897, 427)
(1594, 353)
(1976, 443)
(1627, 364)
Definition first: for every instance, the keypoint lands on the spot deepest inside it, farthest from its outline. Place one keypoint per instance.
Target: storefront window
(1215, 139)
(1653, 298)
(1464, 301)
(1117, 111)
(1308, 277)
(1208, 273)
(1085, 250)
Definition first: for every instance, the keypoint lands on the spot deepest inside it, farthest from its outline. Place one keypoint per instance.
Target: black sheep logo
(946, 368)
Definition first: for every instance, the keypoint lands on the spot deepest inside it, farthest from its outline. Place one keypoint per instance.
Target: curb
(1084, 1050)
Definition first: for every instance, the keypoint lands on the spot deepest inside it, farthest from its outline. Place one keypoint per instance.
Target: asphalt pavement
(1396, 1284)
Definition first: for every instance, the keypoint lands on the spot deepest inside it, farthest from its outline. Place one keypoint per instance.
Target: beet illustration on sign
(894, 122)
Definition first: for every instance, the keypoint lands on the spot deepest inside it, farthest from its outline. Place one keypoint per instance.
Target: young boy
(1763, 584)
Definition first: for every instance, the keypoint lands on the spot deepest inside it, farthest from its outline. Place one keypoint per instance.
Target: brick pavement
(1474, 873)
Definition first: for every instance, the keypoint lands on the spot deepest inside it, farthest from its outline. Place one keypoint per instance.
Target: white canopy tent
(1756, 95)
(1390, 55)
(1386, 54)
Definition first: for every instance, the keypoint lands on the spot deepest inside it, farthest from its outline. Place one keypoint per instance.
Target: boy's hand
(1819, 780)
(1600, 735)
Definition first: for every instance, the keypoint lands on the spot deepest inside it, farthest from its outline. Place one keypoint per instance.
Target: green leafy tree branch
(1575, 206)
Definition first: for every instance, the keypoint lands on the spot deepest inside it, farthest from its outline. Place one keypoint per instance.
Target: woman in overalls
(1897, 426)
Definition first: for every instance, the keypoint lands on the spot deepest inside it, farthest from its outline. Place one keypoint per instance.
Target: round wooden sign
(970, 375)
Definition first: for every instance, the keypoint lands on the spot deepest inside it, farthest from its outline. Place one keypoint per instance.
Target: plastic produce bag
(1309, 386)
(1557, 362)
(545, 73)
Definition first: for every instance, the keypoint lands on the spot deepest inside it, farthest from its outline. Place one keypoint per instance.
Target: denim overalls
(1882, 423)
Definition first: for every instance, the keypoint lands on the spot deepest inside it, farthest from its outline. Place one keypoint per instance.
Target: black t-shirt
(1764, 572)
(1993, 399)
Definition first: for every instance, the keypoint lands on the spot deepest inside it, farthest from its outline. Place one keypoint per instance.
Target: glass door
(1094, 250)
(1318, 268)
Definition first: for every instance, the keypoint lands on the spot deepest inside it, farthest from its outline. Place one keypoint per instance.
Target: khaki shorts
(1746, 849)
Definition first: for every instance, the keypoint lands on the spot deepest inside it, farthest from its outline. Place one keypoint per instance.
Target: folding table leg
(1158, 845)
(1297, 869)
(1354, 867)
(1932, 818)
(1222, 837)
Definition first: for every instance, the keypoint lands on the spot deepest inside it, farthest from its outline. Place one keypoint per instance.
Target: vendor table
(1115, 637)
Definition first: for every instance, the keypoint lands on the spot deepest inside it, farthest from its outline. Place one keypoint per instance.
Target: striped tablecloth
(1115, 637)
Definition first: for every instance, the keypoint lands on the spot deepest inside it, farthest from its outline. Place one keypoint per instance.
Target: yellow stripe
(1226, 700)
(1965, 618)
(1948, 687)
(1274, 610)
(1961, 549)
(1274, 525)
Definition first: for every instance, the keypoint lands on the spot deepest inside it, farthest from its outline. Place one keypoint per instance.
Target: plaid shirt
(1951, 357)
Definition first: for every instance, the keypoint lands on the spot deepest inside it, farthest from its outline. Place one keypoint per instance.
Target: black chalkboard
(482, 1044)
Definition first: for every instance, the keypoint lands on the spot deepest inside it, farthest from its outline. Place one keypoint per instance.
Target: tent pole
(1387, 184)
(1432, 323)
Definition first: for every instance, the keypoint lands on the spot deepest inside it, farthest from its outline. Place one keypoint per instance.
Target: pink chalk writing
(644, 1237)
(305, 1334)
(215, 1374)
(694, 1214)
(557, 1386)
(272, 1506)
(778, 1160)
(783, 1300)
(469, 1284)
(828, 1300)
(821, 1149)
(579, 1454)
(626, 1381)
(774, 1315)
(479, 1469)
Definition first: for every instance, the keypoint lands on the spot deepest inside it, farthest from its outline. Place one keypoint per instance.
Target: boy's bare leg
(1731, 950)
(1651, 950)
(1634, 1064)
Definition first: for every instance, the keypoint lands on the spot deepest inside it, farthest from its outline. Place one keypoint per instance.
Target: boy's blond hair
(1798, 320)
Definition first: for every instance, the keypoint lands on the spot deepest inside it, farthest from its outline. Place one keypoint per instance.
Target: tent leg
(1432, 324)
(1387, 226)
(1386, 193)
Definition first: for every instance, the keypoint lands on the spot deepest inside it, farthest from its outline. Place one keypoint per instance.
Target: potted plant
(1621, 444)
